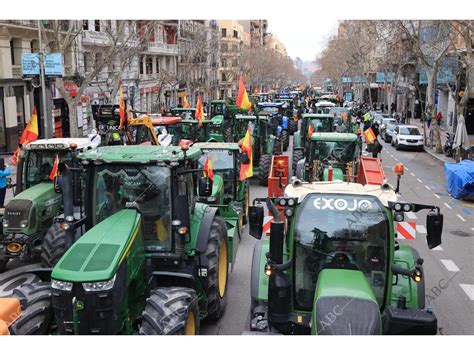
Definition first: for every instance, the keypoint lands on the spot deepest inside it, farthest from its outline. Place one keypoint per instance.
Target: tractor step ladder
(370, 171)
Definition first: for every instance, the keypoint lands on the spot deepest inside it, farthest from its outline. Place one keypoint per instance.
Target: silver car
(387, 128)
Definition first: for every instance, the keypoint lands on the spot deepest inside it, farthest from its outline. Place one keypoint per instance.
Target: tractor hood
(344, 304)
(30, 206)
(97, 255)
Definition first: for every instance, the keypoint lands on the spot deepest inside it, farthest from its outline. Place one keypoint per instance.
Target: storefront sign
(30, 64)
(151, 89)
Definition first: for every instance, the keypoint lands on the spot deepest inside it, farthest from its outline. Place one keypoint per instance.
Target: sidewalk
(441, 157)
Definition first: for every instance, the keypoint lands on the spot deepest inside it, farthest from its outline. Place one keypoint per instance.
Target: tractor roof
(325, 104)
(217, 146)
(182, 109)
(249, 117)
(166, 121)
(217, 101)
(317, 115)
(140, 154)
(60, 143)
(334, 137)
(339, 187)
(270, 104)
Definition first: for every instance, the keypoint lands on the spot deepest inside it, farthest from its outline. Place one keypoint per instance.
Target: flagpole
(43, 86)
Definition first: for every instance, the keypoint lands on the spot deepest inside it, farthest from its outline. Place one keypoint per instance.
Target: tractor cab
(280, 123)
(323, 106)
(218, 108)
(331, 156)
(184, 113)
(140, 131)
(335, 254)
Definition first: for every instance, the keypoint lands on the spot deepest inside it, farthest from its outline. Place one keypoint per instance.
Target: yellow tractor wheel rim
(190, 325)
(223, 264)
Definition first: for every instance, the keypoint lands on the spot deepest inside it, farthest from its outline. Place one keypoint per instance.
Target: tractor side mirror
(434, 229)
(205, 187)
(245, 158)
(256, 214)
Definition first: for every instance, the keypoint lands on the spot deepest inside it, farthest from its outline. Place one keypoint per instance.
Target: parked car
(405, 136)
(386, 129)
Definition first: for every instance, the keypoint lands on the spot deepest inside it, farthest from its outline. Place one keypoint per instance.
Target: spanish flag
(54, 170)
(243, 97)
(199, 111)
(246, 170)
(208, 172)
(185, 102)
(30, 134)
(122, 106)
(369, 135)
(310, 130)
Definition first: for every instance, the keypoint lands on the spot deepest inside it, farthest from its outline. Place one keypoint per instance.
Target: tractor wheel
(36, 307)
(53, 246)
(215, 285)
(171, 311)
(3, 265)
(285, 138)
(291, 126)
(264, 169)
(228, 137)
(297, 156)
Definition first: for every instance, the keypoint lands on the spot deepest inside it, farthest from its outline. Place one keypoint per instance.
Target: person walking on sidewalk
(4, 173)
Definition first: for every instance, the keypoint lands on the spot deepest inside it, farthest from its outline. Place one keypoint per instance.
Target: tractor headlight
(282, 202)
(23, 224)
(397, 207)
(291, 202)
(5, 224)
(99, 285)
(289, 212)
(398, 216)
(406, 207)
(61, 285)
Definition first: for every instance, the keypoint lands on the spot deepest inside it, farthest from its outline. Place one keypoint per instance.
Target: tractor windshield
(141, 134)
(351, 228)
(340, 152)
(217, 109)
(323, 125)
(39, 163)
(145, 187)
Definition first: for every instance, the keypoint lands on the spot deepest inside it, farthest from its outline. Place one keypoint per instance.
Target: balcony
(163, 48)
(26, 23)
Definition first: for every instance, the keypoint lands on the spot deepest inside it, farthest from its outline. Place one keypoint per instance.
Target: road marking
(437, 196)
(420, 229)
(472, 228)
(461, 217)
(411, 215)
(438, 248)
(450, 265)
(412, 174)
(448, 206)
(427, 187)
(466, 211)
(419, 180)
(469, 289)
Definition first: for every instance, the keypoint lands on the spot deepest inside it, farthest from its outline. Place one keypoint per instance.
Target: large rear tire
(264, 169)
(53, 246)
(297, 156)
(36, 309)
(285, 138)
(215, 285)
(171, 311)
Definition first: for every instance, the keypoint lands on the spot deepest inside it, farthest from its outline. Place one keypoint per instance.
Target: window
(236, 34)
(224, 47)
(12, 51)
(97, 25)
(87, 62)
(235, 63)
(141, 64)
(224, 78)
(85, 25)
(224, 62)
(98, 59)
(157, 65)
(224, 32)
(20, 107)
(149, 65)
(234, 48)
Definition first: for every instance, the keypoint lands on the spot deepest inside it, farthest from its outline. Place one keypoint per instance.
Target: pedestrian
(392, 108)
(375, 106)
(428, 119)
(439, 117)
(4, 172)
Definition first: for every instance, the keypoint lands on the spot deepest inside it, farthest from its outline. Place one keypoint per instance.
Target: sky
(302, 38)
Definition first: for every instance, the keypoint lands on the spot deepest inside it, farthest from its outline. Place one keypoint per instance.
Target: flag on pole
(122, 106)
(310, 130)
(208, 172)
(243, 100)
(54, 170)
(185, 102)
(369, 135)
(246, 170)
(199, 111)
(30, 134)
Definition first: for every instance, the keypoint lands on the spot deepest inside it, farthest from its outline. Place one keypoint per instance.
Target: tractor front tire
(292, 126)
(264, 169)
(171, 311)
(53, 246)
(297, 156)
(36, 308)
(215, 285)
(285, 138)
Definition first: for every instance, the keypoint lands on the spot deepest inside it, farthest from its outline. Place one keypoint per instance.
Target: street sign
(30, 64)
(53, 65)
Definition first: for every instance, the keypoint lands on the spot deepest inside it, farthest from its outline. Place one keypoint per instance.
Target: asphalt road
(449, 276)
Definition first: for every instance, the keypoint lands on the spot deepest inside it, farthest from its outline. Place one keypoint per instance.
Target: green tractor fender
(414, 292)
(297, 140)
(258, 279)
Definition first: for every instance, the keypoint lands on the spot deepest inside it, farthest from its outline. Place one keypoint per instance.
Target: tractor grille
(17, 211)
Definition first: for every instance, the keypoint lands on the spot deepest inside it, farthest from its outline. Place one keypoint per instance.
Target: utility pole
(47, 131)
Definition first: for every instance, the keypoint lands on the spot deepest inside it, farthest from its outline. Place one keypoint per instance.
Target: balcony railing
(26, 23)
(163, 48)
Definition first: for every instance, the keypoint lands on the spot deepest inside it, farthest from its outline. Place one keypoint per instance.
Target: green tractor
(184, 113)
(229, 194)
(154, 260)
(330, 156)
(30, 227)
(333, 265)
(309, 124)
